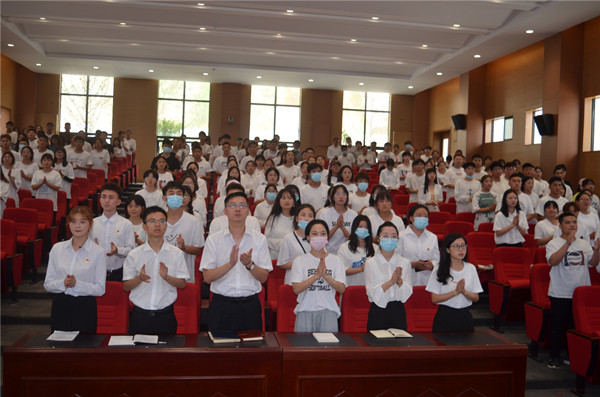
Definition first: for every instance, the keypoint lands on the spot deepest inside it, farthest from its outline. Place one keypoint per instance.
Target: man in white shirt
(479, 172)
(385, 155)
(220, 163)
(41, 150)
(32, 138)
(271, 152)
(252, 152)
(455, 173)
(5, 146)
(365, 160)
(10, 126)
(184, 230)
(129, 144)
(555, 184)
(569, 258)
(405, 167)
(334, 151)
(426, 153)
(80, 160)
(465, 188)
(499, 185)
(314, 192)
(153, 272)
(415, 180)
(112, 232)
(197, 156)
(346, 158)
(235, 263)
(525, 203)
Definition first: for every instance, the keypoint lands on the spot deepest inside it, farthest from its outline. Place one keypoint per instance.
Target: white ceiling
(239, 39)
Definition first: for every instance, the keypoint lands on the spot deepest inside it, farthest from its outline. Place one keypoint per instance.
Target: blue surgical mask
(167, 150)
(388, 244)
(421, 222)
(302, 224)
(271, 196)
(363, 186)
(362, 232)
(21, 146)
(316, 176)
(174, 202)
(344, 152)
(469, 176)
(407, 147)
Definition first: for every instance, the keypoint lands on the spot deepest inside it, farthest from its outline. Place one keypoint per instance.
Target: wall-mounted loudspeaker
(545, 124)
(460, 121)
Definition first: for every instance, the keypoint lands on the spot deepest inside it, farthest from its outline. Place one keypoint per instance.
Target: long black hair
(443, 272)
(297, 211)
(314, 222)
(330, 173)
(276, 210)
(353, 240)
(63, 151)
(341, 179)
(376, 189)
(426, 183)
(334, 190)
(504, 208)
(139, 200)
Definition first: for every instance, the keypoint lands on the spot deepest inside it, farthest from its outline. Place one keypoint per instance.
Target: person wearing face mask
(346, 158)
(465, 189)
(295, 244)
(169, 156)
(316, 277)
(419, 245)
(357, 250)
(280, 221)
(184, 230)
(388, 282)
(359, 200)
(314, 192)
(263, 209)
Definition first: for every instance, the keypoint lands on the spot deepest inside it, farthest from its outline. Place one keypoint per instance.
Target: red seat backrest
(465, 217)
(481, 248)
(511, 263)
(439, 217)
(355, 309)
(586, 309)
(23, 194)
(448, 207)
(594, 276)
(186, 309)
(275, 279)
(540, 255)
(83, 188)
(8, 229)
(44, 208)
(420, 311)
(113, 309)
(487, 227)
(10, 203)
(26, 220)
(287, 301)
(61, 204)
(540, 281)
(93, 185)
(401, 199)
(463, 228)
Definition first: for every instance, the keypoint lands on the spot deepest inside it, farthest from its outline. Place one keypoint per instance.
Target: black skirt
(73, 313)
(449, 319)
(393, 316)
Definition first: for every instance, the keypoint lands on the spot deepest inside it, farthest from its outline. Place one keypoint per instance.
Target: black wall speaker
(460, 121)
(545, 124)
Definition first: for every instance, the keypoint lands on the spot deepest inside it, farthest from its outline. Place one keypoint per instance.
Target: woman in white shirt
(546, 229)
(163, 174)
(316, 277)
(527, 188)
(510, 223)
(135, 206)
(360, 199)
(12, 175)
(232, 172)
(587, 220)
(372, 208)
(338, 217)
(190, 180)
(384, 213)
(301, 179)
(295, 244)
(484, 202)
(150, 192)
(431, 193)
(347, 179)
(442, 175)
(419, 245)
(263, 209)
(454, 286)
(389, 176)
(357, 250)
(388, 282)
(287, 169)
(65, 169)
(271, 177)
(27, 167)
(280, 222)
(202, 191)
(76, 275)
(46, 182)
(333, 173)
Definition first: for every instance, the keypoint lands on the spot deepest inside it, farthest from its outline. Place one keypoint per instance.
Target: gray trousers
(319, 321)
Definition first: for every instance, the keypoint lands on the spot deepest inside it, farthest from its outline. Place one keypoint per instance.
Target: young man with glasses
(235, 263)
(184, 230)
(153, 272)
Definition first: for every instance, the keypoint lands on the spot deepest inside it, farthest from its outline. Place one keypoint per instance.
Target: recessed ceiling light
(151, 70)
(353, 40)
(439, 73)
(456, 25)
(477, 56)
(289, 11)
(529, 31)
(375, 18)
(203, 48)
(259, 77)
(410, 87)
(123, 23)
(278, 35)
(311, 80)
(38, 64)
(96, 67)
(270, 53)
(201, 4)
(424, 45)
(42, 19)
(205, 74)
(335, 58)
(202, 28)
(134, 44)
(63, 40)
(361, 83)
(10, 45)
(399, 63)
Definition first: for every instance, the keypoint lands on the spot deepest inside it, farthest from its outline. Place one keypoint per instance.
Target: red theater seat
(27, 242)
(186, 309)
(12, 262)
(274, 281)
(420, 311)
(465, 217)
(486, 227)
(537, 312)
(287, 301)
(463, 228)
(113, 309)
(46, 229)
(355, 309)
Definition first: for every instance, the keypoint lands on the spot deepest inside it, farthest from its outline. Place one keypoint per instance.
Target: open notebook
(390, 333)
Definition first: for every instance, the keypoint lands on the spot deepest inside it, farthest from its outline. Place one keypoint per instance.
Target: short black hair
(152, 210)
(312, 167)
(172, 185)
(469, 164)
(233, 186)
(113, 187)
(562, 216)
(554, 179)
(153, 172)
(234, 195)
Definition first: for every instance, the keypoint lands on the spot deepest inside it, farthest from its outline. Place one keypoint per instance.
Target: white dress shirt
(238, 281)
(88, 265)
(275, 231)
(333, 151)
(378, 271)
(472, 284)
(192, 233)
(158, 293)
(117, 230)
(222, 222)
(414, 182)
(390, 179)
(513, 236)
(415, 248)
(424, 197)
(463, 193)
(292, 247)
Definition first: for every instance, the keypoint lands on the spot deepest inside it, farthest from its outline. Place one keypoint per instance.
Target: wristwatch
(251, 267)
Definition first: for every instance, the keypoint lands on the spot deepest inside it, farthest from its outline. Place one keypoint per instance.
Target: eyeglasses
(154, 221)
(459, 246)
(234, 206)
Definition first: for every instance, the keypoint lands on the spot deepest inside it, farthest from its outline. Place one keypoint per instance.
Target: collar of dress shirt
(106, 219)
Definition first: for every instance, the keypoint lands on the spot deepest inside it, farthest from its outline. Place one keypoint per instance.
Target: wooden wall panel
(8, 82)
(401, 119)
(320, 118)
(48, 99)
